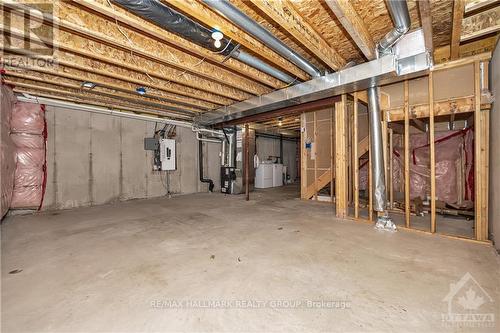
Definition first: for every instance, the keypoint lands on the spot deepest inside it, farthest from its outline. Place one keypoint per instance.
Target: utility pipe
(173, 21)
(401, 17)
(253, 28)
(200, 166)
(100, 110)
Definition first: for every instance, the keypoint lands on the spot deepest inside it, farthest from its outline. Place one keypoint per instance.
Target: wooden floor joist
(92, 98)
(96, 34)
(109, 104)
(286, 16)
(107, 66)
(45, 80)
(111, 83)
(209, 18)
(125, 18)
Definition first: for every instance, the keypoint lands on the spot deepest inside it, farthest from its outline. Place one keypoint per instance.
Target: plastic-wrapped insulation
(175, 22)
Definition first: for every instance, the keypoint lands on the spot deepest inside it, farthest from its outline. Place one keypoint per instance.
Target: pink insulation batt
(7, 149)
(28, 132)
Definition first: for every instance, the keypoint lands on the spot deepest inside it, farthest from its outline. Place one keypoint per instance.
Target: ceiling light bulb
(88, 84)
(217, 35)
(217, 43)
(280, 123)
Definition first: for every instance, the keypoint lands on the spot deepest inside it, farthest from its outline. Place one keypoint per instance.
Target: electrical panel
(167, 154)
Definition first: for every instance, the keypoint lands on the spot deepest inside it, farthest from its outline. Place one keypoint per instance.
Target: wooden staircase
(326, 177)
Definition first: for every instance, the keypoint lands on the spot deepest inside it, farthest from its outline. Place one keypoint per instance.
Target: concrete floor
(143, 265)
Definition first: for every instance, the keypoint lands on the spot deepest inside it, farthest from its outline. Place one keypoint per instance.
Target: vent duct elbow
(402, 22)
(256, 30)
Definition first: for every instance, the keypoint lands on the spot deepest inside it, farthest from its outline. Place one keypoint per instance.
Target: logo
(469, 305)
(28, 34)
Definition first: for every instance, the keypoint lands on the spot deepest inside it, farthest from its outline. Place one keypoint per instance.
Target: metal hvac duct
(402, 22)
(409, 59)
(173, 21)
(256, 30)
(401, 17)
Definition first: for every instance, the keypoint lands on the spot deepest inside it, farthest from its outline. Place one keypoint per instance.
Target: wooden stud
(247, 162)
(354, 25)
(211, 19)
(287, 17)
(432, 153)
(315, 146)
(390, 175)
(486, 170)
(370, 179)
(355, 164)
(332, 155)
(384, 151)
(303, 159)
(477, 154)
(458, 14)
(407, 154)
(341, 157)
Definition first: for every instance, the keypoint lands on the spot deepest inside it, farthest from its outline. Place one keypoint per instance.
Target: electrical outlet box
(167, 154)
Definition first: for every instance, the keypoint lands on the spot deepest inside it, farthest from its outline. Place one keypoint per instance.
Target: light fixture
(280, 121)
(217, 36)
(88, 84)
(141, 90)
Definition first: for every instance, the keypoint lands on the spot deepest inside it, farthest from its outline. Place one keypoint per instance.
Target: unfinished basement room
(250, 166)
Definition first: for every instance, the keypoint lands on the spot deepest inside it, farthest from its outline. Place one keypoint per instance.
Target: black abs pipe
(200, 158)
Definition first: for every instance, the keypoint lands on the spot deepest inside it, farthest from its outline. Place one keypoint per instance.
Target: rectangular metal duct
(409, 59)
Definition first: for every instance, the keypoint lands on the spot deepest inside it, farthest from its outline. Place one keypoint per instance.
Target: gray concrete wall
(94, 159)
(494, 188)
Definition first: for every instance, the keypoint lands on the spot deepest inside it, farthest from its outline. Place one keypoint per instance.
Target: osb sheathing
(115, 12)
(149, 47)
(320, 16)
(442, 16)
(258, 16)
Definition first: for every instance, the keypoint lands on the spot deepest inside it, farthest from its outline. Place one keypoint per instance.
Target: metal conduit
(256, 30)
